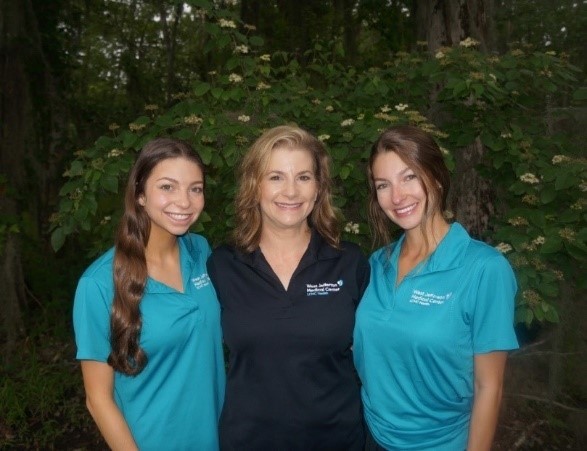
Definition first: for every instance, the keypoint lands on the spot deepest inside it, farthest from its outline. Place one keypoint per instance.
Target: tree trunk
(446, 23)
(15, 110)
(27, 129)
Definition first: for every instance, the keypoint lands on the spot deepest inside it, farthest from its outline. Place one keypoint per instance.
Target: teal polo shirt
(175, 402)
(414, 343)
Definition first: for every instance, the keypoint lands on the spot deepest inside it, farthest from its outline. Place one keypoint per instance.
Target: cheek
(380, 195)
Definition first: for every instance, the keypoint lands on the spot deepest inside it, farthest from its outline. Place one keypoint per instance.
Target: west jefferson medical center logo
(324, 288)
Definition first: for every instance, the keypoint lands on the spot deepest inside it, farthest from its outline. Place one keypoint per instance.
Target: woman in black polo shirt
(289, 289)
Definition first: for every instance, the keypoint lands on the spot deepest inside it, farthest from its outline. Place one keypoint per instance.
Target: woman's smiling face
(400, 192)
(288, 189)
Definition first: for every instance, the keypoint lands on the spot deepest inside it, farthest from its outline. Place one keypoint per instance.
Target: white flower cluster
(226, 23)
(261, 86)
(530, 178)
(385, 108)
(329, 108)
(538, 240)
(352, 227)
(244, 118)
(557, 159)
(105, 220)
(192, 119)
(439, 55)
(401, 106)
(241, 49)
(136, 127)
(115, 153)
(266, 57)
(504, 248)
(347, 122)
(235, 78)
(323, 137)
(469, 42)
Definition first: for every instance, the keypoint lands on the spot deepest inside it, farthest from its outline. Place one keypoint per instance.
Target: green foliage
(40, 398)
(500, 101)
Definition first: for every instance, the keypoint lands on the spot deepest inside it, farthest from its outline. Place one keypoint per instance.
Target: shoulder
(481, 252)
(196, 242)
(351, 249)
(223, 251)
(101, 269)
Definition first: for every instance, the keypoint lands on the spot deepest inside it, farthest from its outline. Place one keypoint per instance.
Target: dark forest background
(80, 79)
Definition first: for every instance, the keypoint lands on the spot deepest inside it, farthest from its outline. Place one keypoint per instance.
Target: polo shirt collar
(318, 249)
(187, 256)
(448, 255)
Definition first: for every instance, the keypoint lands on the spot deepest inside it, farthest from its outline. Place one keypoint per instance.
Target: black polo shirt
(291, 382)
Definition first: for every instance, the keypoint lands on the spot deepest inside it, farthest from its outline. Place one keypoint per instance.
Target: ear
(141, 200)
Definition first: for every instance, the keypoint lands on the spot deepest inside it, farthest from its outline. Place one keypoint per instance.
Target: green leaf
(257, 41)
(547, 195)
(109, 183)
(565, 181)
(201, 88)
(580, 94)
(165, 121)
(77, 168)
(57, 239)
(550, 313)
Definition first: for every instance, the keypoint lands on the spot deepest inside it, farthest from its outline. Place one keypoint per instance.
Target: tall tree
(445, 24)
(19, 44)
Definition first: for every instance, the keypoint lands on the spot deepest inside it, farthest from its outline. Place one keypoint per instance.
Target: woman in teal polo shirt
(435, 324)
(146, 318)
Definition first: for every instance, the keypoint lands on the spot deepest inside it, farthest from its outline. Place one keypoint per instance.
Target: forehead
(177, 167)
(387, 163)
(284, 157)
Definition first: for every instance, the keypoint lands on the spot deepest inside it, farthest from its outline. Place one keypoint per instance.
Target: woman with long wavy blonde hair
(289, 289)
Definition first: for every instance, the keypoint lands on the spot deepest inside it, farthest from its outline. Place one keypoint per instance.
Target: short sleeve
(91, 319)
(493, 320)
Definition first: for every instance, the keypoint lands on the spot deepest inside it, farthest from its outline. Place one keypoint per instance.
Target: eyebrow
(402, 172)
(276, 171)
(170, 179)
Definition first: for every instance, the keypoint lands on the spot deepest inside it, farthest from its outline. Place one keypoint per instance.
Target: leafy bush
(500, 101)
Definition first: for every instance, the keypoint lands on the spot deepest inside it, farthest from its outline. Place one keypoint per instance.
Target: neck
(161, 247)
(285, 240)
(422, 242)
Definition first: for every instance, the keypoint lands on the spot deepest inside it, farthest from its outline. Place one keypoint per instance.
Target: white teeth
(178, 216)
(407, 209)
(288, 205)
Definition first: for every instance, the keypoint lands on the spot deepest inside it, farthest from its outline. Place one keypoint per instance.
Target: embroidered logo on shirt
(201, 281)
(324, 288)
(427, 299)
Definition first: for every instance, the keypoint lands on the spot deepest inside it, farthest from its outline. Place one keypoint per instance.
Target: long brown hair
(419, 152)
(247, 232)
(130, 265)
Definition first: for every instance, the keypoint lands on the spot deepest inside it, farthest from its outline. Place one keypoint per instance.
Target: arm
(489, 369)
(99, 385)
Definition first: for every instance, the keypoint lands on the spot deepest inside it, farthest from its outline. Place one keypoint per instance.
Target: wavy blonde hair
(249, 222)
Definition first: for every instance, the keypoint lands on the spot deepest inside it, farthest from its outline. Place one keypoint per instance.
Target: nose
(290, 188)
(397, 195)
(183, 199)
